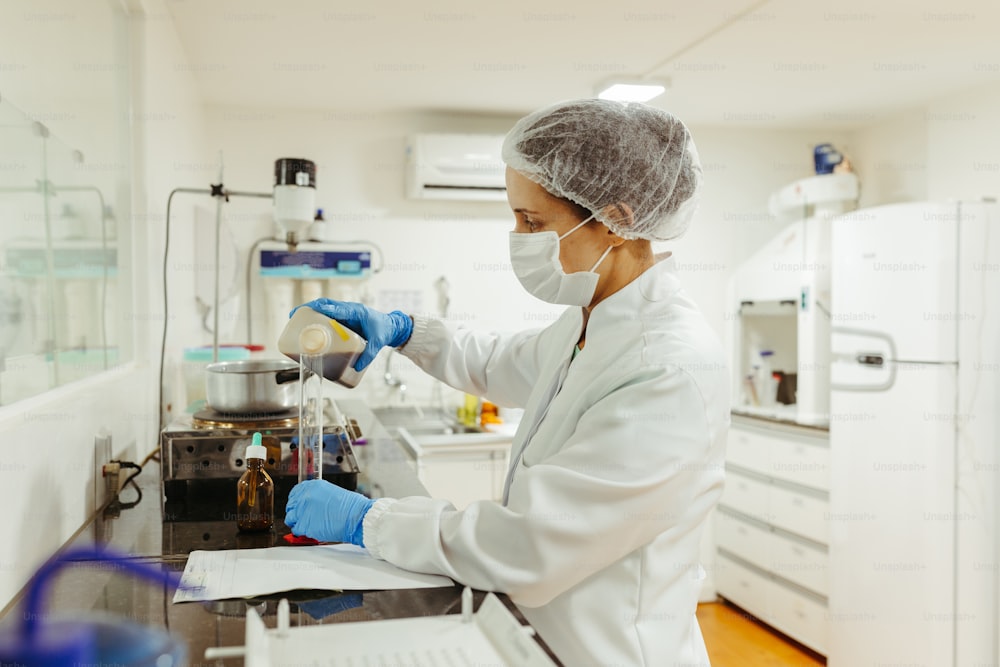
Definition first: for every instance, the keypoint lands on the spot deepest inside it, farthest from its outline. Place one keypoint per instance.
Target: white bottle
(312, 333)
(767, 386)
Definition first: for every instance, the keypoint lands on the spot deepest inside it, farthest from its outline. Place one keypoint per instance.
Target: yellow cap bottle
(311, 333)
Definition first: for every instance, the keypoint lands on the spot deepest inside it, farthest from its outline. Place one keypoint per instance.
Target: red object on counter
(300, 540)
(253, 347)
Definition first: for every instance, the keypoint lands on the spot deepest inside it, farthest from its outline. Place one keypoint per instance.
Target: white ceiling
(786, 63)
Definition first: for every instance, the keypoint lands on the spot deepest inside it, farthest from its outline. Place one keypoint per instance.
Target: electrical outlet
(112, 473)
(105, 487)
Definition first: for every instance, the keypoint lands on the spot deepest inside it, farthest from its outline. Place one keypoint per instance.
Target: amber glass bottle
(255, 491)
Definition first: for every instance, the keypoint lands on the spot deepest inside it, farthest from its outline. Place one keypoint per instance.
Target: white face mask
(535, 258)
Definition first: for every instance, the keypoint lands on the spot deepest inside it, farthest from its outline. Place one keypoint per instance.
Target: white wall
(171, 152)
(945, 149)
(47, 479)
(890, 158)
(963, 145)
(743, 166)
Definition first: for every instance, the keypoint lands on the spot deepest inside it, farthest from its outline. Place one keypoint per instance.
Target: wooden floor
(735, 639)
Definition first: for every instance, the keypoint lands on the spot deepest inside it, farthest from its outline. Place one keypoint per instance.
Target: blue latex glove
(378, 328)
(326, 512)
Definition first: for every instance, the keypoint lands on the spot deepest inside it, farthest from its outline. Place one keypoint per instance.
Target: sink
(430, 427)
(439, 428)
(394, 415)
(422, 421)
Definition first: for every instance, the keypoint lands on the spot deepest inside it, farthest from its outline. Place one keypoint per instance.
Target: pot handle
(289, 375)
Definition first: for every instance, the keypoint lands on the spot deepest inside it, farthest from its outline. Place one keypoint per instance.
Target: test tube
(310, 417)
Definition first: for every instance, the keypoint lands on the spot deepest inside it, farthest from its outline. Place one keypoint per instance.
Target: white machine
(914, 432)
(781, 294)
(491, 636)
(294, 197)
(337, 270)
(303, 263)
(292, 256)
(455, 166)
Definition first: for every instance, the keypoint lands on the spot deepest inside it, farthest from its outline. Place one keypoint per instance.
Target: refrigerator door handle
(872, 359)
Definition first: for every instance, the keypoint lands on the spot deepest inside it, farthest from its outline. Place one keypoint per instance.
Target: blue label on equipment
(315, 264)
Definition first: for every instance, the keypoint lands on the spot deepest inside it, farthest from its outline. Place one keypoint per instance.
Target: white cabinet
(801, 563)
(772, 527)
(746, 586)
(750, 495)
(460, 467)
(465, 475)
(772, 272)
(780, 296)
(749, 540)
(799, 616)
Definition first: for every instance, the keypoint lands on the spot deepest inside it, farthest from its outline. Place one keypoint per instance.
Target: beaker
(310, 417)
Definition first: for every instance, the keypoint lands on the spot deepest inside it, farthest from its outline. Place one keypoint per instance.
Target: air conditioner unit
(455, 166)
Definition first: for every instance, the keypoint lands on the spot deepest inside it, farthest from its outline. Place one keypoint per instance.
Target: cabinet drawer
(801, 461)
(744, 587)
(746, 495)
(751, 542)
(807, 566)
(748, 449)
(799, 617)
(801, 514)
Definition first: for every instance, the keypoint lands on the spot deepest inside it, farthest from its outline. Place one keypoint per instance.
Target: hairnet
(599, 153)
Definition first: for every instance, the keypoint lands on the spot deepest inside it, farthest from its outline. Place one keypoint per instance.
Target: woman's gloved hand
(325, 512)
(378, 328)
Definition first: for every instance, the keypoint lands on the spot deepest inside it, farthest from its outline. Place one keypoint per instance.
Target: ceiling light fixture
(632, 90)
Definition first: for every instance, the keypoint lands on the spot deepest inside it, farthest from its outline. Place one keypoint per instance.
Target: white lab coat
(598, 542)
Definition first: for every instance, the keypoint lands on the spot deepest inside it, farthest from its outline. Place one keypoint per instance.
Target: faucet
(393, 381)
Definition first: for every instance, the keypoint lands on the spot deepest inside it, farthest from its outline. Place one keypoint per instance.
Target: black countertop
(140, 533)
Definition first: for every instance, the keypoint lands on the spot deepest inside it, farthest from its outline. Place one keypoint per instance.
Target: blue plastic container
(825, 158)
(37, 639)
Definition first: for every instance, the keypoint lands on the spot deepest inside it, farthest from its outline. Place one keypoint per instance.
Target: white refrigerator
(913, 411)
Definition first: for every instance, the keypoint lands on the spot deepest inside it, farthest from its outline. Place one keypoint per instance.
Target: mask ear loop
(606, 253)
(577, 227)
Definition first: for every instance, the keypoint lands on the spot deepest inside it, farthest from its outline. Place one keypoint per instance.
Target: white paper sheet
(237, 573)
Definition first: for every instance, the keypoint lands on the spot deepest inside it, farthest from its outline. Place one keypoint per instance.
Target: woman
(619, 456)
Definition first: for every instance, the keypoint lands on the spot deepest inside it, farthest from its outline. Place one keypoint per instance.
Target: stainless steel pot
(252, 386)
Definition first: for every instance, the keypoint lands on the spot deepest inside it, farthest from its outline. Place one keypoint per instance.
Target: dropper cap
(256, 450)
